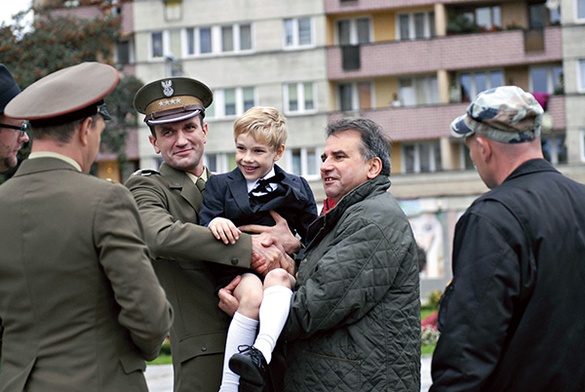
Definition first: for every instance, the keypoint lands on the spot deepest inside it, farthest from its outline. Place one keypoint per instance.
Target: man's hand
(279, 234)
(265, 257)
(227, 302)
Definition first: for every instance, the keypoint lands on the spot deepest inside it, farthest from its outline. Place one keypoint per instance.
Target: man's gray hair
(375, 142)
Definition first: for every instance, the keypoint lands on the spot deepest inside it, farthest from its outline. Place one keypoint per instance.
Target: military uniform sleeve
(124, 257)
(172, 233)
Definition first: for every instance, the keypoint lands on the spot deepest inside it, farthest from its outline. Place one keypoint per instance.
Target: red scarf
(328, 204)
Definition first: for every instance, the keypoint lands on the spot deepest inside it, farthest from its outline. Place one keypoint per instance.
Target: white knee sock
(273, 314)
(242, 330)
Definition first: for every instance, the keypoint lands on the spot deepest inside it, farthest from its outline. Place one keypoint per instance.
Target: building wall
(573, 51)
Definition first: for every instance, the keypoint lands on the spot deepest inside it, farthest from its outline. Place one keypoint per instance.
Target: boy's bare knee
(249, 294)
(279, 277)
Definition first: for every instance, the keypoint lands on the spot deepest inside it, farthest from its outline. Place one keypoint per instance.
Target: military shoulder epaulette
(145, 172)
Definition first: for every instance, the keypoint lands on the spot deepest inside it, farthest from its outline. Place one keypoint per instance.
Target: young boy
(246, 195)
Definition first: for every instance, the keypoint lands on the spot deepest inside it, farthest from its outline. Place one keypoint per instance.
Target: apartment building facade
(412, 66)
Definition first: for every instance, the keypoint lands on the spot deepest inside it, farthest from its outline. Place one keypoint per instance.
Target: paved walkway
(160, 377)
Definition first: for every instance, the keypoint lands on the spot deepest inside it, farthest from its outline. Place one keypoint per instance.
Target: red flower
(431, 321)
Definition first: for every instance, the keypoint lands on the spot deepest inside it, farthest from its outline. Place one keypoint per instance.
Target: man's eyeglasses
(23, 128)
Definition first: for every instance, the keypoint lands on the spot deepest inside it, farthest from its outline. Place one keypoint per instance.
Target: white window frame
(295, 34)
(305, 156)
(166, 45)
(216, 40)
(428, 83)
(429, 25)
(581, 75)
(353, 31)
(222, 161)
(474, 90)
(219, 102)
(582, 144)
(550, 80)
(301, 97)
(236, 38)
(580, 8)
(495, 20)
(196, 37)
(417, 157)
(173, 10)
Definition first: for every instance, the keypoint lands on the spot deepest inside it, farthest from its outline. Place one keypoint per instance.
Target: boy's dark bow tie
(263, 185)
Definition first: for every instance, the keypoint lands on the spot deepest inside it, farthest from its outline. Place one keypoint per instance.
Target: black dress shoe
(251, 366)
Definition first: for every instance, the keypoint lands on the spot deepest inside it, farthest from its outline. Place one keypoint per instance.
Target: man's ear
(374, 167)
(83, 131)
(485, 147)
(154, 143)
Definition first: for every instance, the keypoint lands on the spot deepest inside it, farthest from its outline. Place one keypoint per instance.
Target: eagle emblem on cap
(167, 86)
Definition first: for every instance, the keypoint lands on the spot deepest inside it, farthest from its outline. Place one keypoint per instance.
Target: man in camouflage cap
(512, 319)
(188, 258)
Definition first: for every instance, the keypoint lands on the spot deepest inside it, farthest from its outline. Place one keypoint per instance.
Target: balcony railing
(459, 52)
(433, 121)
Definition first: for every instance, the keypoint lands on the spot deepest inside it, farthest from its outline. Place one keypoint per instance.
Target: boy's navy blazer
(226, 196)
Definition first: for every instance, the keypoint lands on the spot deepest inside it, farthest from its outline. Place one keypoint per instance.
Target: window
(581, 75)
(220, 162)
(299, 97)
(582, 145)
(416, 25)
(547, 79)
(124, 52)
(231, 102)
(227, 39)
(554, 148)
(353, 31)
(298, 32)
(420, 90)
(230, 38)
(421, 157)
(580, 9)
(473, 83)
(173, 10)
(489, 18)
(355, 96)
(466, 158)
(304, 162)
(157, 45)
(205, 40)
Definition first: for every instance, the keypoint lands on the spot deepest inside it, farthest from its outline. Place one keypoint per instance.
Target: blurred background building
(411, 65)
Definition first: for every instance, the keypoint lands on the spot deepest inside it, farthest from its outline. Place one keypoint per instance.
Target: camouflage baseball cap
(506, 114)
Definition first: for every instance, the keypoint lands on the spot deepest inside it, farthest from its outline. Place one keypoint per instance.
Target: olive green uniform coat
(187, 258)
(81, 304)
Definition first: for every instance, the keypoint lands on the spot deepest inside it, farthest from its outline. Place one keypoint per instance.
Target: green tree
(55, 41)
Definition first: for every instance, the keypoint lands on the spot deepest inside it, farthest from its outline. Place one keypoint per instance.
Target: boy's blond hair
(266, 125)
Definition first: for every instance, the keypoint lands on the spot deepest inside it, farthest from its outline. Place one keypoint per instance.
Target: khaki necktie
(200, 184)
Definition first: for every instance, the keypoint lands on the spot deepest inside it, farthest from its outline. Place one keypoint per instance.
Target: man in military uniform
(12, 132)
(188, 257)
(81, 304)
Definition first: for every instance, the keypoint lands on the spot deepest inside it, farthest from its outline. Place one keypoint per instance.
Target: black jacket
(513, 317)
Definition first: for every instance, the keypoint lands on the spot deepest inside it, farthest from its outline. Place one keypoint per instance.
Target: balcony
(344, 6)
(433, 122)
(459, 52)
